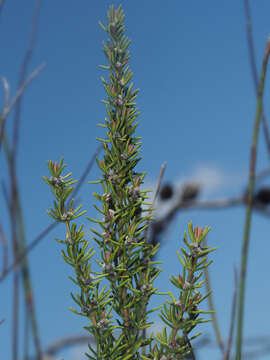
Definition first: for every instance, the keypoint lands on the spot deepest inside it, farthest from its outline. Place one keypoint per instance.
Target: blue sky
(197, 104)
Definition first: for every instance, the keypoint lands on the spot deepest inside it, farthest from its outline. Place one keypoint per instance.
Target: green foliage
(183, 314)
(125, 254)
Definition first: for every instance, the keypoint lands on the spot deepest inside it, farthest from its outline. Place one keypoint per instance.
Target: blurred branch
(160, 225)
(254, 72)
(16, 221)
(1, 6)
(161, 174)
(9, 105)
(261, 175)
(75, 340)
(86, 171)
(212, 308)
(162, 170)
(11, 204)
(68, 341)
(27, 250)
(251, 184)
(262, 344)
(23, 71)
(5, 249)
(233, 315)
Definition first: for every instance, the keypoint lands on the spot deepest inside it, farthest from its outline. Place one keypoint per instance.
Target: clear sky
(197, 104)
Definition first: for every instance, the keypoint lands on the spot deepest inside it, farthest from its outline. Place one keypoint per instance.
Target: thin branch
(160, 225)
(262, 344)
(15, 320)
(212, 309)
(27, 250)
(161, 174)
(245, 245)
(87, 170)
(11, 204)
(254, 69)
(16, 98)
(5, 249)
(23, 72)
(26, 332)
(20, 91)
(1, 6)
(233, 315)
(63, 343)
(6, 90)
(16, 219)
(29, 296)
(261, 175)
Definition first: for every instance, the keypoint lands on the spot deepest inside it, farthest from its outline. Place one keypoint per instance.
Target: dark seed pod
(166, 192)
(263, 196)
(190, 192)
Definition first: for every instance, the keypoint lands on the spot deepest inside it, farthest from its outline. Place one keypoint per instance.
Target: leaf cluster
(183, 314)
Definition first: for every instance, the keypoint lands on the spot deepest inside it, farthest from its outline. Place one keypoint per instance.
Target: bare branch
(211, 305)
(249, 207)
(87, 170)
(254, 72)
(5, 249)
(23, 86)
(162, 170)
(65, 342)
(261, 175)
(29, 248)
(1, 6)
(23, 73)
(160, 225)
(233, 315)
(16, 98)
(6, 90)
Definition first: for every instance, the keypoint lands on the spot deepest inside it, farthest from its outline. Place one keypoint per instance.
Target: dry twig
(254, 72)
(10, 105)
(5, 249)
(233, 315)
(251, 184)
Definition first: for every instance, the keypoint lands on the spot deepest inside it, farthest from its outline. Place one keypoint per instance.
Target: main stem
(251, 183)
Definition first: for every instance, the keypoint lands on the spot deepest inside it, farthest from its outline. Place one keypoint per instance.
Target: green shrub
(126, 258)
